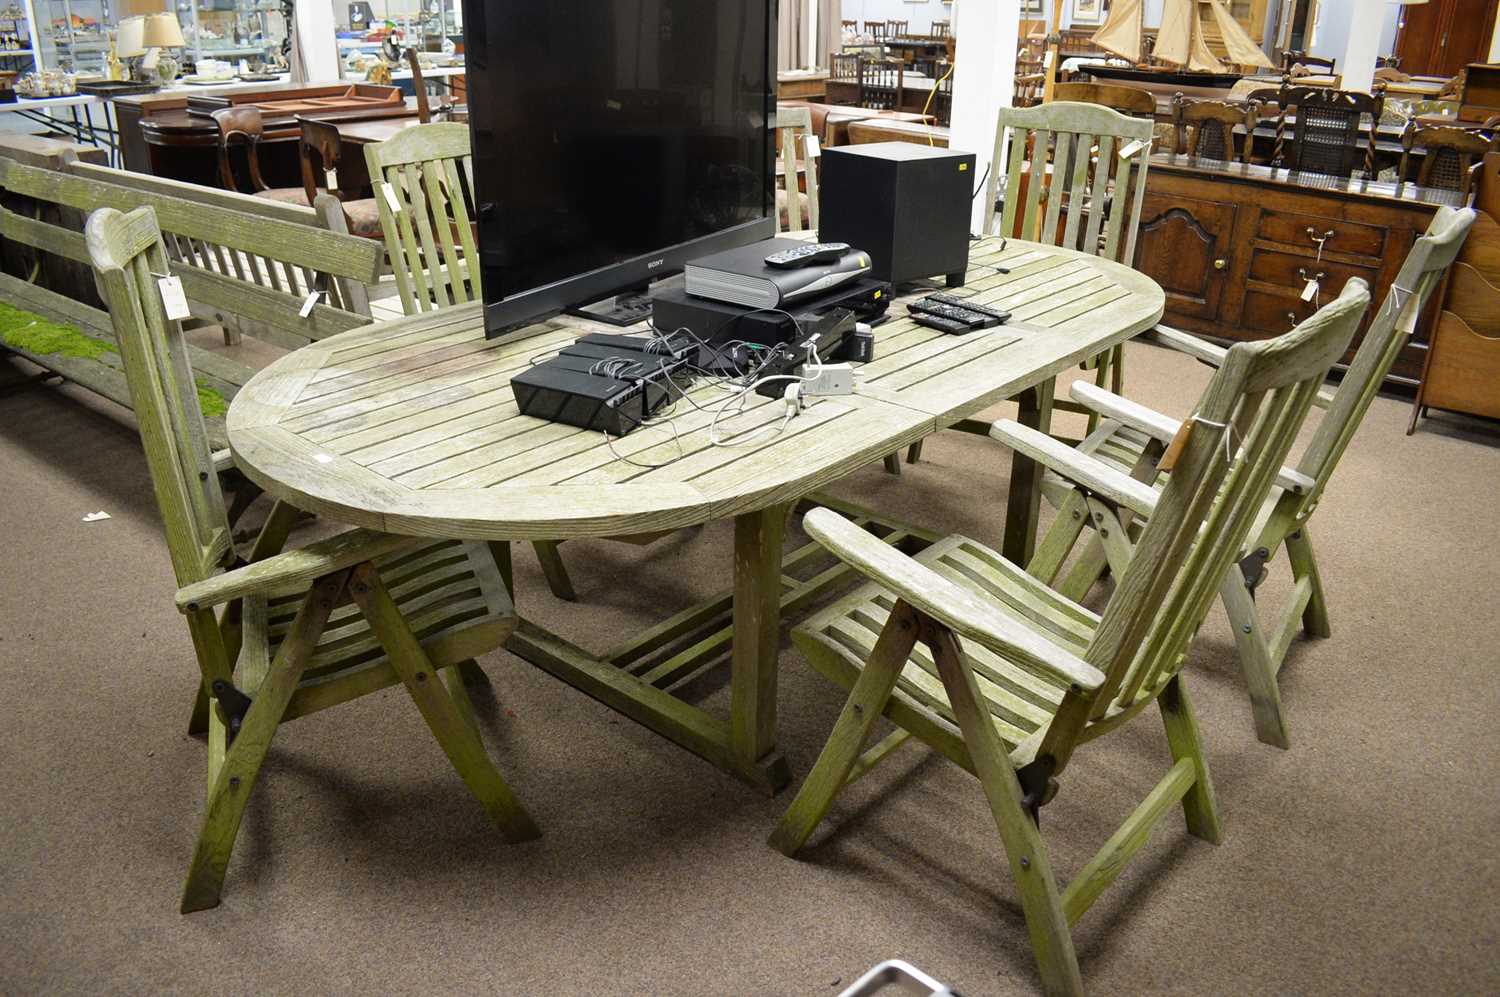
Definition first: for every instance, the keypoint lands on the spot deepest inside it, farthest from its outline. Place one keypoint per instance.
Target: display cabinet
(17, 37)
(73, 35)
(232, 30)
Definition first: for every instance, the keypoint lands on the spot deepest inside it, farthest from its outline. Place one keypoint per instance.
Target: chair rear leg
(459, 740)
(866, 701)
(1086, 571)
(241, 763)
(1199, 806)
(1255, 660)
(1046, 921)
(1305, 565)
(1060, 539)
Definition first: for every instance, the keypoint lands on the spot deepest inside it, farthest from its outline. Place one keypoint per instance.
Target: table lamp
(161, 31)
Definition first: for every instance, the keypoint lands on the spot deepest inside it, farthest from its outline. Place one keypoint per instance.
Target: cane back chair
(1450, 156)
(961, 649)
(1132, 439)
(1213, 125)
(284, 645)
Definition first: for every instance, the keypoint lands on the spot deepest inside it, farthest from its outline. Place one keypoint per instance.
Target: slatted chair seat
(840, 639)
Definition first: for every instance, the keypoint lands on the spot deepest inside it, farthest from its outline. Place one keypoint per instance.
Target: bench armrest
(223, 461)
(934, 595)
(1076, 466)
(294, 567)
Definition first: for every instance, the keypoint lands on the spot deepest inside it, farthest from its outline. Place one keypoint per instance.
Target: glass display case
(232, 30)
(17, 43)
(73, 35)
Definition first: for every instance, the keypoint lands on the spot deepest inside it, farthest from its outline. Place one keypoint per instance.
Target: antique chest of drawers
(1246, 252)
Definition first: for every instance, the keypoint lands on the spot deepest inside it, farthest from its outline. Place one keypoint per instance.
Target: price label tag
(307, 305)
(1047, 59)
(391, 198)
(332, 178)
(1310, 291)
(1132, 149)
(814, 147)
(173, 299)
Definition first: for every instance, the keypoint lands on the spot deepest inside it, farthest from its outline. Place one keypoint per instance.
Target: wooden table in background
(802, 85)
(840, 120)
(410, 427)
(885, 130)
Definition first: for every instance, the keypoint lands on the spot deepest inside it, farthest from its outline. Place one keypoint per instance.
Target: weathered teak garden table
(410, 426)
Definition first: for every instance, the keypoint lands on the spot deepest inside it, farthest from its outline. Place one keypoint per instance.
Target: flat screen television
(613, 141)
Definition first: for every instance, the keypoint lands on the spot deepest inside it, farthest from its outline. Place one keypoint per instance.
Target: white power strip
(828, 379)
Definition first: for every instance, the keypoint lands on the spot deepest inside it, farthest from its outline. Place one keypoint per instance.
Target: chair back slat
(1235, 441)
(794, 132)
(128, 256)
(429, 234)
(1389, 332)
(1082, 144)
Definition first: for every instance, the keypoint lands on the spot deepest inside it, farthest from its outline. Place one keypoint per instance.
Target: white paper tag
(391, 198)
(814, 147)
(1132, 149)
(331, 177)
(1310, 291)
(307, 305)
(173, 299)
(1047, 59)
(96, 517)
(245, 66)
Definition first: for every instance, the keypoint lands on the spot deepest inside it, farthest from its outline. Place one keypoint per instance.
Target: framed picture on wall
(1089, 11)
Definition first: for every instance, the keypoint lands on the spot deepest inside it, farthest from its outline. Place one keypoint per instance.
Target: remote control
(974, 320)
(806, 256)
(967, 305)
(942, 324)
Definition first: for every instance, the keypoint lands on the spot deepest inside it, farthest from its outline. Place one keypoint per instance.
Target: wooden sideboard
(1234, 245)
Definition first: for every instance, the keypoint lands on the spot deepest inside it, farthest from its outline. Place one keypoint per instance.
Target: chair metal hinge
(1037, 785)
(234, 703)
(1253, 568)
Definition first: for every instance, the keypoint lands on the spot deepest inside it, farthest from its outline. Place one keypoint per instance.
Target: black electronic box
(908, 206)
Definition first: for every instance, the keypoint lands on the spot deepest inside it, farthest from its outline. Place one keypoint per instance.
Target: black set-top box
(909, 206)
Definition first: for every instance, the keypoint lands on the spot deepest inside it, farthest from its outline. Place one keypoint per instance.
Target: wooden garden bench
(246, 264)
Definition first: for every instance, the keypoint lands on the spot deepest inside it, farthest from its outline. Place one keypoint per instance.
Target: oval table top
(410, 426)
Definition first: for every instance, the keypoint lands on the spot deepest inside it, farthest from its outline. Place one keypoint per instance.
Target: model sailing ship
(1179, 43)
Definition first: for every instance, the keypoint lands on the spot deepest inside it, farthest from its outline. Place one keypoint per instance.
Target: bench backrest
(257, 260)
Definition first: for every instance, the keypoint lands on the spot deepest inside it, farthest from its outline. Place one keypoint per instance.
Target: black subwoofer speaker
(906, 205)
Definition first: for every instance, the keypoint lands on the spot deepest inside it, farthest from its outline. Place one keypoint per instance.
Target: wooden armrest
(965, 613)
(300, 567)
(1182, 342)
(1132, 414)
(1161, 427)
(223, 461)
(1079, 468)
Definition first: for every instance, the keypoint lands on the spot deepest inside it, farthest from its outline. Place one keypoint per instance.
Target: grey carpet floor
(1363, 860)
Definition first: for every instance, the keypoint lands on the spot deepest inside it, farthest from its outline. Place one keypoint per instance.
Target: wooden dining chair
(942, 29)
(1074, 176)
(274, 637)
(1325, 138)
(426, 112)
(1132, 438)
(880, 85)
(796, 205)
(1450, 157)
(426, 208)
(1208, 129)
(995, 672)
(876, 30)
(321, 151)
(897, 29)
(1291, 60)
(844, 68)
(242, 126)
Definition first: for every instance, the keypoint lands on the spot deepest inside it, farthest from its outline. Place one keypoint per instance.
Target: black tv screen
(613, 140)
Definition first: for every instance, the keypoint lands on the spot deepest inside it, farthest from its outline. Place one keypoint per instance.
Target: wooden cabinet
(1235, 246)
(1440, 38)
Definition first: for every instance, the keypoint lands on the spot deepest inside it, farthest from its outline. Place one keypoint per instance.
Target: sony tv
(613, 141)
